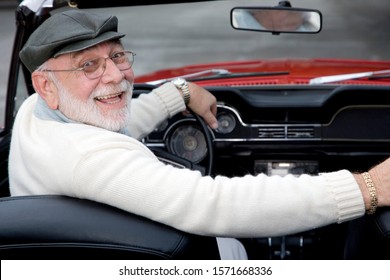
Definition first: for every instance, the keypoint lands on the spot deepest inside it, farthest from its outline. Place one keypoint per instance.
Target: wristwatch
(181, 84)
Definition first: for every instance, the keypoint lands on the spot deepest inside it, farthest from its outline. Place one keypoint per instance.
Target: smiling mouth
(110, 99)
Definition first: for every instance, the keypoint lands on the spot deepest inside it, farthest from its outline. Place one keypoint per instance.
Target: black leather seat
(57, 227)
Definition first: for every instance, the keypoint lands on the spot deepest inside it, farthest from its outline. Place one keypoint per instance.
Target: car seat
(58, 227)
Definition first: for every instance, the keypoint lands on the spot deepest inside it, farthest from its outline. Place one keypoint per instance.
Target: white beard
(89, 113)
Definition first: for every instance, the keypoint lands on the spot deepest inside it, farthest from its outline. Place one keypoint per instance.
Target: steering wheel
(209, 143)
(178, 161)
(175, 159)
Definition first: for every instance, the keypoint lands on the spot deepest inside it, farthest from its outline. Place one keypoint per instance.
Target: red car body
(298, 72)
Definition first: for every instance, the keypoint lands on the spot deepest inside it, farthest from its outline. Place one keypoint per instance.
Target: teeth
(107, 96)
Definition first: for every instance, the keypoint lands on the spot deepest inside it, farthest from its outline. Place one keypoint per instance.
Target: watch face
(179, 82)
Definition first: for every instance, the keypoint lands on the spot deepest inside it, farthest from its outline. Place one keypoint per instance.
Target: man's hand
(204, 104)
(381, 177)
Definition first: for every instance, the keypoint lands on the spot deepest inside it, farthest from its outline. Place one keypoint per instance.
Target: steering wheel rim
(170, 157)
(160, 153)
(209, 143)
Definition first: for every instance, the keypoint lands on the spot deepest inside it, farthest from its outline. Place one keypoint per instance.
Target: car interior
(271, 129)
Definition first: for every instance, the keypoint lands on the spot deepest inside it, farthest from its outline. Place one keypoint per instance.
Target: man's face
(102, 102)
(280, 20)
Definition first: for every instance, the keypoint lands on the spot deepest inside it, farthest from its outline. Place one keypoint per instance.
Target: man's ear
(45, 88)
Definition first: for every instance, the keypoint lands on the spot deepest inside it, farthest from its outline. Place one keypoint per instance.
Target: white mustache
(124, 86)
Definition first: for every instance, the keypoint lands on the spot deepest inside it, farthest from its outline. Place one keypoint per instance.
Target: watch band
(182, 84)
(186, 94)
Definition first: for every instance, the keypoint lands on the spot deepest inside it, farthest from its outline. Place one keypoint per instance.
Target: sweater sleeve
(249, 206)
(149, 110)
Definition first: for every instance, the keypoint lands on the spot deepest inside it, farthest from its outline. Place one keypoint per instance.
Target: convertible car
(291, 112)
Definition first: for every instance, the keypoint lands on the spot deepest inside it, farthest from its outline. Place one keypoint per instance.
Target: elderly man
(78, 137)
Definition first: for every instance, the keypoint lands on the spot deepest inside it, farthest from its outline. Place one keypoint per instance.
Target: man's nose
(112, 73)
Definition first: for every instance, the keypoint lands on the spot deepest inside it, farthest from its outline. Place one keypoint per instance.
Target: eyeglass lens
(95, 68)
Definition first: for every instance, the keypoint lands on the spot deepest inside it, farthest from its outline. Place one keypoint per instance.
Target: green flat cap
(67, 32)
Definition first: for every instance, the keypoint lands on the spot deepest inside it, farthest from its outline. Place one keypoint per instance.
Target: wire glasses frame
(94, 68)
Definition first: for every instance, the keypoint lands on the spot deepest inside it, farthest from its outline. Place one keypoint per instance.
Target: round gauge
(188, 141)
(226, 123)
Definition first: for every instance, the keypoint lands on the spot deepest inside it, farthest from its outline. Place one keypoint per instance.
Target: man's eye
(118, 57)
(91, 65)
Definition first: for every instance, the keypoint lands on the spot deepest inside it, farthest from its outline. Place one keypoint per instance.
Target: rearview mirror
(276, 19)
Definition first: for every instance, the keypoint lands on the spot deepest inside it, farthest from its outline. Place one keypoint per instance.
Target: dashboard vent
(300, 132)
(272, 132)
(287, 132)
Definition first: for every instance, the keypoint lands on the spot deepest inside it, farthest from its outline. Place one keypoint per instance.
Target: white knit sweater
(52, 156)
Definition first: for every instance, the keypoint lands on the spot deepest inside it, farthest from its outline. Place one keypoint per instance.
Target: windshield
(175, 35)
(168, 36)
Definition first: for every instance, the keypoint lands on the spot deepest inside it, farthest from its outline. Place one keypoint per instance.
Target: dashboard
(286, 129)
(280, 130)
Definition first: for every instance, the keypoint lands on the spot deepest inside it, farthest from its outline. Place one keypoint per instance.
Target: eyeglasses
(94, 68)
